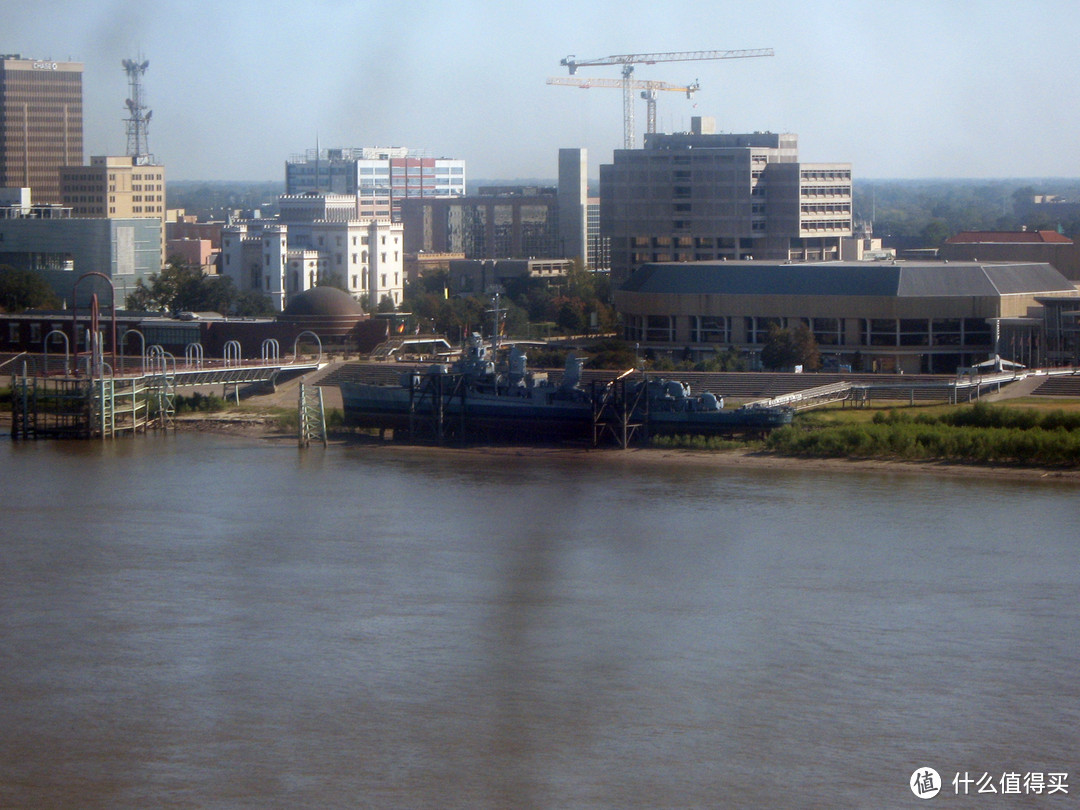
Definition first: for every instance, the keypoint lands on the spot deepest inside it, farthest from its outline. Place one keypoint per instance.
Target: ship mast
(496, 320)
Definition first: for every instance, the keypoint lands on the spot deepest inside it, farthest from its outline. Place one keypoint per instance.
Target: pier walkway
(52, 399)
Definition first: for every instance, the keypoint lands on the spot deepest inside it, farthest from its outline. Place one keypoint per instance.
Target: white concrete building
(318, 240)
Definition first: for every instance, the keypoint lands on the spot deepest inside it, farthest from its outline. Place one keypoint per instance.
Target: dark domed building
(327, 311)
(334, 315)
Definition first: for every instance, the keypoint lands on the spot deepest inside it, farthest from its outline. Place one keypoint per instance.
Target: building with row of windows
(380, 178)
(116, 187)
(317, 240)
(912, 317)
(500, 222)
(507, 222)
(702, 196)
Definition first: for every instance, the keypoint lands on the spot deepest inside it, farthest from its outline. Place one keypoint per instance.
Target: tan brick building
(115, 187)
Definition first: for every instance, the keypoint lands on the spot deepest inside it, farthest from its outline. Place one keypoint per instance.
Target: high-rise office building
(702, 196)
(573, 198)
(41, 123)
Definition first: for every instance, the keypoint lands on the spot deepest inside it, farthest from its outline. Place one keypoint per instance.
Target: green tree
(23, 289)
(613, 353)
(570, 314)
(727, 359)
(335, 280)
(251, 304)
(935, 233)
(181, 287)
(790, 347)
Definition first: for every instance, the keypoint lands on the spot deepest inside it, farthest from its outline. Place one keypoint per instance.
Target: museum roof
(883, 279)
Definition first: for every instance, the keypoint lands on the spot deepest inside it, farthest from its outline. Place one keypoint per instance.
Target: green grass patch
(979, 434)
(199, 403)
(719, 443)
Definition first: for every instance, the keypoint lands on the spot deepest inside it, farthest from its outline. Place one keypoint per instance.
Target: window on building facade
(880, 332)
(659, 328)
(914, 332)
(977, 332)
(827, 331)
(946, 332)
(710, 329)
(757, 328)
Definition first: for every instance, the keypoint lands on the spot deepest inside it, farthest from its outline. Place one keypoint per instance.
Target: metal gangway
(311, 416)
(807, 398)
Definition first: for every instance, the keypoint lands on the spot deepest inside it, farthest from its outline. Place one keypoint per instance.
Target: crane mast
(628, 60)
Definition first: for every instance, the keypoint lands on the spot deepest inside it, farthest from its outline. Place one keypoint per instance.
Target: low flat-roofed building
(417, 265)
(194, 252)
(477, 276)
(928, 317)
(330, 314)
(47, 240)
(1015, 246)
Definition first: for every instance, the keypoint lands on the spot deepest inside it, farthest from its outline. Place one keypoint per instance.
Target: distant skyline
(899, 88)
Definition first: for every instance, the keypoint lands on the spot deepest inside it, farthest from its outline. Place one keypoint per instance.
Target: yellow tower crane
(648, 89)
(628, 61)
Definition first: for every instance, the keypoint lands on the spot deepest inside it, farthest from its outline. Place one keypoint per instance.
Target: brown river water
(200, 621)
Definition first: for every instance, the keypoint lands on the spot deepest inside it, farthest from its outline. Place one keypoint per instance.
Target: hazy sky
(900, 88)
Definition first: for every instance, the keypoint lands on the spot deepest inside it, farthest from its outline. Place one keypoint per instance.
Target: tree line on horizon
(908, 214)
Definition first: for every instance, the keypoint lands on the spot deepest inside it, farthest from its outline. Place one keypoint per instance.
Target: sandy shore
(265, 426)
(257, 426)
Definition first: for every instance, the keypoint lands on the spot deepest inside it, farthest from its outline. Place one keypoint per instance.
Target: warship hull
(525, 414)
(537, 414)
